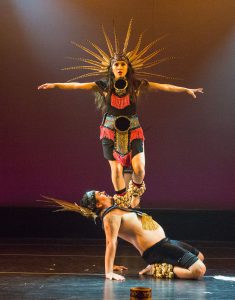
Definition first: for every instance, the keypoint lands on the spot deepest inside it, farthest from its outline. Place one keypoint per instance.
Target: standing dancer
(116, 95)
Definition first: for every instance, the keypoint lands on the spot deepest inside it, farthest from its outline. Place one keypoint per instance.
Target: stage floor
(73, 269)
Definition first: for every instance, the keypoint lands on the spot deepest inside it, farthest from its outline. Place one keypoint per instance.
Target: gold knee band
(122, 201)
(135, 190)
(163, 271)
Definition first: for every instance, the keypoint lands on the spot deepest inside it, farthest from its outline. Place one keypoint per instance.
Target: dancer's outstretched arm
(174, 89)
(68, 86)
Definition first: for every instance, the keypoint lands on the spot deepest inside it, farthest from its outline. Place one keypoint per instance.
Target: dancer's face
(102, 198)
(119, 68)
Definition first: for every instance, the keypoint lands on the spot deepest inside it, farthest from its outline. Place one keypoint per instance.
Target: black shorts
(172, 252)
(108, 146)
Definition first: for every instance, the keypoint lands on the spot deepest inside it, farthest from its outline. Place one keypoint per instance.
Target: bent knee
(139, 171)
(198, 270)
(201, 256)
(117, 170)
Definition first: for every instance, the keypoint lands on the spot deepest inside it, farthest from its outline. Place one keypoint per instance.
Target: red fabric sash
(125, 161)
(120, 103)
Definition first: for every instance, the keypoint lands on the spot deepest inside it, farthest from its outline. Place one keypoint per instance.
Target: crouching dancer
(139, 229)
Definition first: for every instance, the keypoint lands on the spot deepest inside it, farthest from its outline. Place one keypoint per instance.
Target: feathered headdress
(63, 205)
(147, 222)
(103, 61)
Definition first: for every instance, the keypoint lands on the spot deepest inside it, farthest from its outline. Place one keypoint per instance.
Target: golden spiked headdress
(104, 60)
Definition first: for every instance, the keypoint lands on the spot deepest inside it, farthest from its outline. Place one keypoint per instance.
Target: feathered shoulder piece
(63, 205)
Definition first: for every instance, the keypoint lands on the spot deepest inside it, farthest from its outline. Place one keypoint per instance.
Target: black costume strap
(109, 209)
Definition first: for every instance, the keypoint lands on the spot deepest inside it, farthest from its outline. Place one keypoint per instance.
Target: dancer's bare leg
(117, 175)
(196, 271)
(127, 178)
(138, 165)
(201, 256)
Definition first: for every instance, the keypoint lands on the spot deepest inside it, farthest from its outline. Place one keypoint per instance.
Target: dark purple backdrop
(49, 139)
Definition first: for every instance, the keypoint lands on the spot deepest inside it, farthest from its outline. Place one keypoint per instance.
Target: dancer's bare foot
(147, 271)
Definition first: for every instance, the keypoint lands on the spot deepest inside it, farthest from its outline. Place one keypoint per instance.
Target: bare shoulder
(112, 224)
(116, 217)
(112, 217)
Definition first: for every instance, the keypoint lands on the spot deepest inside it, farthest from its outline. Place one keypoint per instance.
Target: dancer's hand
(46, 86)
(193, 92)
(114, 276)
(119, 268)
(147, 271)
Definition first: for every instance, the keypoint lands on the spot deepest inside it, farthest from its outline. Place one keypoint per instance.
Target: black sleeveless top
(129, 110)
(139, 213)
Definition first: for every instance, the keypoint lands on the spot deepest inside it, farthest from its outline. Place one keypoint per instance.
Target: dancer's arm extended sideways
(90, 85)
(174, 89)
(68, 86)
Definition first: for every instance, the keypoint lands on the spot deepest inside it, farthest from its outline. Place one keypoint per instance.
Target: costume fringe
(148, 223)
(120, 103)
(106, 133)
(137, 134)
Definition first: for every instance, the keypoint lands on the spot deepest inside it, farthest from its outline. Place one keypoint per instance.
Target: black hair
(133, 85)
(89, 201)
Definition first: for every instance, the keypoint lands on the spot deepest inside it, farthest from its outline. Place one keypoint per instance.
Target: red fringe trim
(106, 133)
(125, 161)
(137, 134)
(120, 103)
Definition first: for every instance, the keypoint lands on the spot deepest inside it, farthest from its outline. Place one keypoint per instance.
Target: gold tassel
(148, 223)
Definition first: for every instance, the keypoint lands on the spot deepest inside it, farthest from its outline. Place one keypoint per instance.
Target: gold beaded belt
(121, 125)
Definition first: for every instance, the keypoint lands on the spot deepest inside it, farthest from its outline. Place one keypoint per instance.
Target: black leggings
(172, 252)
